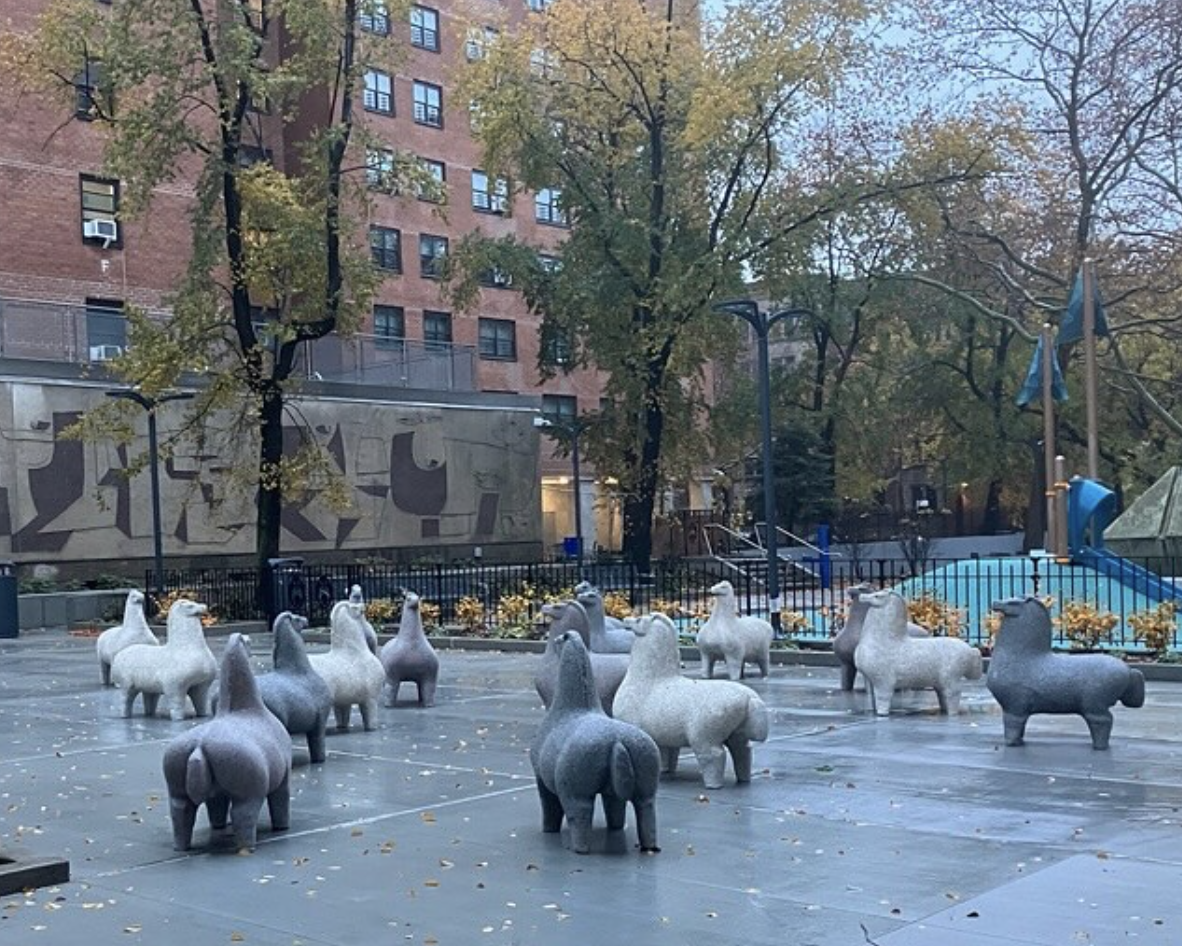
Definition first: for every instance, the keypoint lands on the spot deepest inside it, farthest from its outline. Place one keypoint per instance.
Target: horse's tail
(623, 773)
(974, 666)
(755, 724)
(198, 777)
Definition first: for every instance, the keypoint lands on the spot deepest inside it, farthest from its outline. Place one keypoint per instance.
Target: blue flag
(1071, 328)
(1032, 387)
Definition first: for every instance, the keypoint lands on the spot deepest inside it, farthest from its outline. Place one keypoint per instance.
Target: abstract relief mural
(419, 476)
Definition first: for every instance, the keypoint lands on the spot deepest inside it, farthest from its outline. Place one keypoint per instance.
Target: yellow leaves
(939, 617)
(381, 610)
(617, 605)
(470, 613)
(1086, 625)
(1156, 628)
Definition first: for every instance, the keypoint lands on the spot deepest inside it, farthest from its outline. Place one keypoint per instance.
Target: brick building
(69, 260)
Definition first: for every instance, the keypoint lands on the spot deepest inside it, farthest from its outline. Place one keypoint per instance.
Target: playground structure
(1082, 570)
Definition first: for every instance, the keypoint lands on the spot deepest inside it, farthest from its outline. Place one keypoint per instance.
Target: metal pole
(1089, 340)
(578, 494)
(1062, 552)
(769, 482)
(1048, 432)
(154, 471)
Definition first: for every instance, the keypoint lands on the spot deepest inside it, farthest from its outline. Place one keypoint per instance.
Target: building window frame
(563, 409)
(489, 195)
(92, 95)
(374, 17)
(379, 167)
(389, 327)
(385, 248)
(548, 207)
(373, 97)
(438, 171)
(478, 40)
(437, 330)
(424, 27)
(432, 255)
(428, 104)
(497, 339)
(98, 199)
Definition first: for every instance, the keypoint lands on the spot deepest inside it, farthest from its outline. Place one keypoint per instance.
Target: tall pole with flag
(1084, 321)
(1089, 339)
(1043, 379)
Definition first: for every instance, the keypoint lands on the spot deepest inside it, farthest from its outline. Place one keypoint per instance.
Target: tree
(194, 91)
(1093, 91)
(671, 144)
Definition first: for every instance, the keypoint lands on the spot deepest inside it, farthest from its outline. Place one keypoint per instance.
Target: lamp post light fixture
(571, 430)
(761, 322)
(150, 404)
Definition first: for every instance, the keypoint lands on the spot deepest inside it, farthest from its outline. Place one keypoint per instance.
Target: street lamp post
(149, 404)
(761, 322)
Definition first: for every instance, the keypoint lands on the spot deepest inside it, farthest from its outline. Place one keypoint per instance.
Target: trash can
(570, 546)
(288, 588)
(10, 615)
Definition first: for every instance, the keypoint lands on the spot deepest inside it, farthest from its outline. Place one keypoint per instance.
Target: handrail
(795, 538)
(731, 532)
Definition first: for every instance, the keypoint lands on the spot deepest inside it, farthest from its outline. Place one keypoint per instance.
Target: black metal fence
(953, 594)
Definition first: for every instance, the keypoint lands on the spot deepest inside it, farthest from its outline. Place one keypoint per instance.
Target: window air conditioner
(105, 352)
(107, 230)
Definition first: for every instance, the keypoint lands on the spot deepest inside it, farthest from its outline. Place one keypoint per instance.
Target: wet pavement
(917, 830)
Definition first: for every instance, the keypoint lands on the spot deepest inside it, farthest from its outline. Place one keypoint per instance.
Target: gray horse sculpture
(408, 657)
(580, 752)
(607, 669)
(1026, 678)
(233, 763)
(293, 691)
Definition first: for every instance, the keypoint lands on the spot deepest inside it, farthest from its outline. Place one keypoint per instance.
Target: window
(495, 278)
(374, 17)
(378, 96)
(436, 330)
(385, 248)
(498, 339)
(428, 104)
(432, 255)
(479, 40)
(389, 326)
(537, 5)
(250, 155)
(106, 329)
(424, 28)
(489, 197)
(542, 63)
(548, 207)
(563, 408)
(557, 349)
(550, 263)
(379, 167)
(100, 210)
(92, 96)
(438, 171)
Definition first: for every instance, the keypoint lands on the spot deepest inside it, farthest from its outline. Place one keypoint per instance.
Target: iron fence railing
(955, 593)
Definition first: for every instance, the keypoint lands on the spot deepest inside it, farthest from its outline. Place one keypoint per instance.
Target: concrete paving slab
(917, 830)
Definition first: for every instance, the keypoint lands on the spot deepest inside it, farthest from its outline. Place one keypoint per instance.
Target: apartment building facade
(70, 260)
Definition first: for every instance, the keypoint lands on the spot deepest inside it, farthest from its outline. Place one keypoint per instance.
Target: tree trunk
(269, 502)
(1036, 506)
(991, 518)
(642, 499)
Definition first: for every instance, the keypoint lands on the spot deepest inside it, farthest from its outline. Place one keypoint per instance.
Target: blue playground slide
(1129, 574)
(1089, 511)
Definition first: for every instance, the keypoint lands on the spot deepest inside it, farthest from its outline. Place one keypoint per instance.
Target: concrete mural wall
(420, 476)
